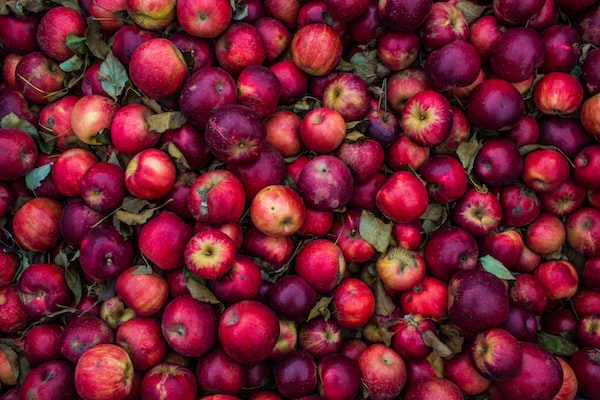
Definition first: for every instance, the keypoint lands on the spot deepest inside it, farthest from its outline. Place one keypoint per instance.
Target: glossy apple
(402, 197)
(150, 174)
(321, 263)
(104, 371)
(20, 153)
(295, 374)
(239, 46)
(36, 225)
(316, 49)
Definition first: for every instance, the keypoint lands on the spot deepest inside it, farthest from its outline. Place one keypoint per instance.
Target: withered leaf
(162, 122)
(376, 232)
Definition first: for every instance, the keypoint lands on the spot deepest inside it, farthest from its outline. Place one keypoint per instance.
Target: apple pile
(299, 199)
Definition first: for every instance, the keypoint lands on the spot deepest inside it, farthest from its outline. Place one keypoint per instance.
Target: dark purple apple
(590, 72)
(76, 220)
(495, 105)
(83, 333)
(403, 15)
(565, 133)
(586, 365)
(291, 297)
(105, 253)
(450, 249)
(51, 380)
(517, 54)
(326, 183)
(235, 133)
(456, 64)
(295, 374)
(498, 162)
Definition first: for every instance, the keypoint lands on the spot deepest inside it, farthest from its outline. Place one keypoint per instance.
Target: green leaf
(321, 309)
(376, 232)
(200, 292)
(74, 282)
(467, 151)
(143, 269)
(173, 151)
(34, 178)
(76, 43)
(495, 267)
(165, 121)
(239, 8)
(72, 64)
(113, 76)
(11, 120)
(470, 10)
(556, 344)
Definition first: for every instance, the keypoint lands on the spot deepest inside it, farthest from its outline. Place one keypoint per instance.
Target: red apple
(294, 82)
(427, 118)
(209, 254)
(241, 282)
(445, 72)
(338, 377)
(484, 102)
(434, 387)
(316, 49)
(259, 88)
(150, 174)
(217, 197)
(129, 129)
(582, 231)
(102, 187)
(496, 354)
(35, 226)
(49, 380)
(402, 197)
(20, 153)
(354, 303)
(43, 289)
(382, 371)
(104, 371)
(277, 210)
(54, 29)
(325, 183)
(105, 253)
(589, 118)
(273, 251)
(323, 130)
(587, 370)
(295, 374)
(216, 372)
(321, 263)
(517, 53)
(558, 93)
(151, 15)
(402, 15)
(349, 95)
(283, 132)
(91, 116)
(170, 379)
(40, 78)
(13, 318)
(398, 50)
(125, 40)
(240, 46)
(460, 369)
(275, 35)
(145, 293)
(428, 298)
(546, 234)
(142, 338)
(82, 334)
(400, 268)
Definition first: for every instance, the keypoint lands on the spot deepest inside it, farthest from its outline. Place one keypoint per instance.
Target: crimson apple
(170, 379)
(400, 268)
(108, 14)
(273, 251)
(404, 84)
(142, 338)
(92, 114)
(461, 371)
(589, 118)
(150, 174)
(325, 183)
(239, 46)
(427, 118)
(43, 289)
(322, 130)
(129, 129)
(17, 32)
(54, 29)
(316, 49)
(216, 372)
(102, 186)
(402, 197)
(434, 387)
(398, 50)
(36, 225)
(584, 163)
(49, 380)
(382, 371)
(19, 153)
(209, 254)
(338, 377)
(590, 74)
(498, 162)
(443, 69)
(348, 94)
(277, 210)
(402, 15)
(105, 253)
(104, 371)
(558, 93)
(13, 317)
(126, 39)
(320, 337)
(321, 263)
(241, 282)
(295, 374)
(42, 343)
(353, 302)
(145, 293)
(40, 78)
(428, 298)
(583, 231)
(82, 334)
(517, 53)
(409, 335)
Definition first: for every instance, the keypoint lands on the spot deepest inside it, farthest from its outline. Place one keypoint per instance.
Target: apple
(83, 333)
(55, 119)
(43, 289)
(295, 374)
(400, 268)
(404, 153)
(409, 335)
(558, 93)
(9, 265)
(384, 126)
(40, 78)
(498, 162)
(102, 187)
(68, 170)
(348, 94)
(209, 254)
(239, 46)
(483, 34)
(520, 205)
(189, 326)
(235, 133)
(13, 101)
(321, 263)
(365, 156)
(35, 225)
(241, 282)
(445, 72)
(338, 377)
(91, 116)
(42, 343)
(590, 74)
(445, 178)
(52, 379)
(216, 372)
(589, 119)
(517, 53)
(104, 371)
(142, 338)
(76, 219)
(544, 170)
(204, 19)
(294, 82)
(275, 35)
(402, 197)
(317, 12)
(546, 234)
(18, 32)
(353, 302)
(584, 363)
(445, 23)
(129, 129)
(496, 354)
(54, 29)
(526, 131)
(529, 291)
(325, 183)
(20, 153)
(259, 88)
(427, 118)
(273, 251)
(13, 318)
(287, 340)
(247, 331)
(540, 375)
(283, 132)
(91, 83)
(584, 163)
(346, 231)
(216, 197)
(166, 63)
(108, 13)
(398, 50)
(322, 129)
(434, 387)
(589, 274)
(404, 84)
(170, 379)
(105, 253)
(402, 15)
(292, 297)
(484, 102)
(449, 249)
(320, 336)
(382, 371)
(563, 48)
(150, 174)
(582, 231)
(316, 222)
(514, 13)
(562, 201)
(460, 369)
(277, 210)
(467, 290)
(151, 15)
(408, 235)
(428, 298)
(316, 49)
(126, 39)
(145, 293)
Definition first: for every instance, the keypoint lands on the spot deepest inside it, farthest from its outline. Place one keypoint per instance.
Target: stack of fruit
(299, 199)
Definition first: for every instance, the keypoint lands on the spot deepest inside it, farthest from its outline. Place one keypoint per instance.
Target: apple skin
(106, 12)
(155, 15)
(189, 326)
(204, 19)
(55, 118)
(12, 100)
(247, 331)
(383, 371)
(240, 46)
(39, 78)
(104, 371)
(294, 82)
(466, 290)
(585, 162)
(402, 197)
(316, 49)
(544, 170)
(445, 177)
(42, 343)
(570, 385)
(484, 100)
(49, 380)
(558, 93)
(461, 371)
(35, 226)
(589, 119)
(259, 88)
(517, 53)
(449, 249)
(514, 13)
(170, 379)
(241, 282)
(209, 254)
(398, 50)
(69, 168)
(321, 263)
(163, 238)
(408, 336)
(364, 156)
(126, 39)
(354, 303)
(540, 375)
(20, 153)
(274, 252)
(583, 231)
(157, 68)
(427, 118)
(347, 233)
(13, 317)
(400, 268)
(498, 162)
(18, 33)
(216, 372)
(404, 152)
(216, 197)
(275, 35)
(43, 289)
(76, 219)
(584, 363)
(563, 48)
(325, 183)
(445, 23)
(590, 76)
(277, 210)
(589, 275)
(320, 337)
